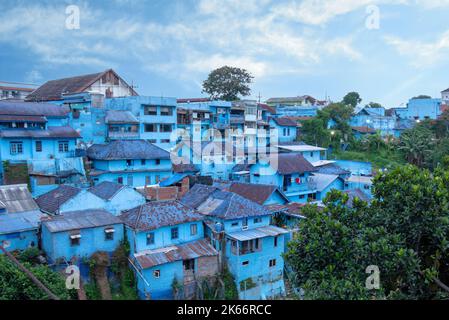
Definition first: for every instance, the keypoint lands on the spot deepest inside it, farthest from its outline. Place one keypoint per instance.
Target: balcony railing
(123, 135)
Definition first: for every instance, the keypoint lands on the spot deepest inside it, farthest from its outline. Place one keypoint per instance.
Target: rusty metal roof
(17, 198)
(186, 251)
(20, 108)
(51, 201)
(157, 214)
(290, 163)
(85, 219)
(258, 193)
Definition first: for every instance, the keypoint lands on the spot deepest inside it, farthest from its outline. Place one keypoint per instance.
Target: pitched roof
(285, 122)
(183, 168)
(20, 108)
(114, 116)
(16, 198)
(127, 149)
(258, 193)
(50, 132)
(356, 193)
(364, 129)
(322, 181)
(332, 168)
(81, 220)
(185, 251)
(157, 214)
(267, 108)
(222, 204)
(51, 201)
(54, 89)
(289, 163)
(20, 221)
(106, 190)
(197, 195)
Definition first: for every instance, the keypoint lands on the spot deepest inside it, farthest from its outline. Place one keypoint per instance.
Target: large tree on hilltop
(228, 83)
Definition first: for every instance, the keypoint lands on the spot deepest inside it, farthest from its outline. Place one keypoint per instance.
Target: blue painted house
(286, 129)
(312, 154)
(325, 183)
(74, 236)
(136, 163)
(20, 218)
(259, 193)
(249, 245)
(167, 243)
(110, 196)
(364, 183)
(374, 118)
(288, 171)
(420, 109)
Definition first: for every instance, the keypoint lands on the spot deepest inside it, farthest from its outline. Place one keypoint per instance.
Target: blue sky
(292, 47)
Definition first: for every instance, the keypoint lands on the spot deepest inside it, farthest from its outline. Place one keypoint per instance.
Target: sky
(387, 50)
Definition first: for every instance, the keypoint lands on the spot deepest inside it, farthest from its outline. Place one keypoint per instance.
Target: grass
(382, 159)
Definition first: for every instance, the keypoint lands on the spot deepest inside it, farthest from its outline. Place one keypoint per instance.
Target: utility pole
(30, 275)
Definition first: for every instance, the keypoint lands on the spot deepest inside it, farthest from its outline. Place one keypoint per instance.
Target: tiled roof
(21, 118)
(51, 132)
(54, 89)
(290, 163)
(127, 149)
(32, 109)
(285, 122)
(267, 108)
(197, 195)
(182, 168)
(16, 198)
(85, 219)
(258, 193)
(222, 204)
(186, 251)
(51, 201)
(157, 214)
(364, 129)
(106, 189)
(114, 116)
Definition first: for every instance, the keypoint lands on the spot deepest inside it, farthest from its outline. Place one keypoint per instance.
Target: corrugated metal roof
(22, 118)
(191, 250)
(323, 180)
(127, 149)
(262, 232)
(20, 108)
(21, 221)
(258, 193)
(85, 219)
(51, 201)
(157, 214)
(290, 163)
(17, 198)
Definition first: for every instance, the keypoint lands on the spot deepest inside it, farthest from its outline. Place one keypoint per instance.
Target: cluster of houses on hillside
(195, 186)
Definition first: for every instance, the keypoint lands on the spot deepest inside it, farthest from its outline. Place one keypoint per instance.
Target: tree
(404, 232)
(352, 99)
(374, 105)
(314, 131)
(228, 83)
(416, 145)
(422, 96)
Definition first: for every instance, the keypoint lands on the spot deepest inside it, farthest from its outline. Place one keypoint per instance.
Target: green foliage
(352, 99)
(15, 285)
(247, 284)
(127, 289)
(404, 232)
(416, 144)
(228, 83)
(92, 291)
(231, 292)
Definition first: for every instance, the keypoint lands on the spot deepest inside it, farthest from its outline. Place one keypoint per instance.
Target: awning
(177, 177)
(75, 236)
(109, 230)
(262, 232)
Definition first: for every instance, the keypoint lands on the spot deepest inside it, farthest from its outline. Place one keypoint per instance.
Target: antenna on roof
(133, 86)
(259, 97)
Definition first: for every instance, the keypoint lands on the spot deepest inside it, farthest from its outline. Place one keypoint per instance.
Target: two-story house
(136, 163)
(249, 245)
(167, 246)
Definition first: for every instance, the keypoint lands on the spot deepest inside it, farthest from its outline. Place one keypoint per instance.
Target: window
(38, 146)
(235, 224)
(150, 110)
(75, 239)
(109, 234)
(120, 180)
(189, 265)
(166, 111)
(157, 274)
(166, 128)
(311, 154)
(193, 229)
(245, 263)
(150, 127)
(257, 220)
(275, 241)
(366, 186)
(174, 233)
(130, 180)
(129, 163)
(16, 147)
(143, 162)
(284, 132)
(63, 146)
(152, 140)
(245, 223)
(150, 238)
(272, 263)
(158, 162)
(165, 140)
